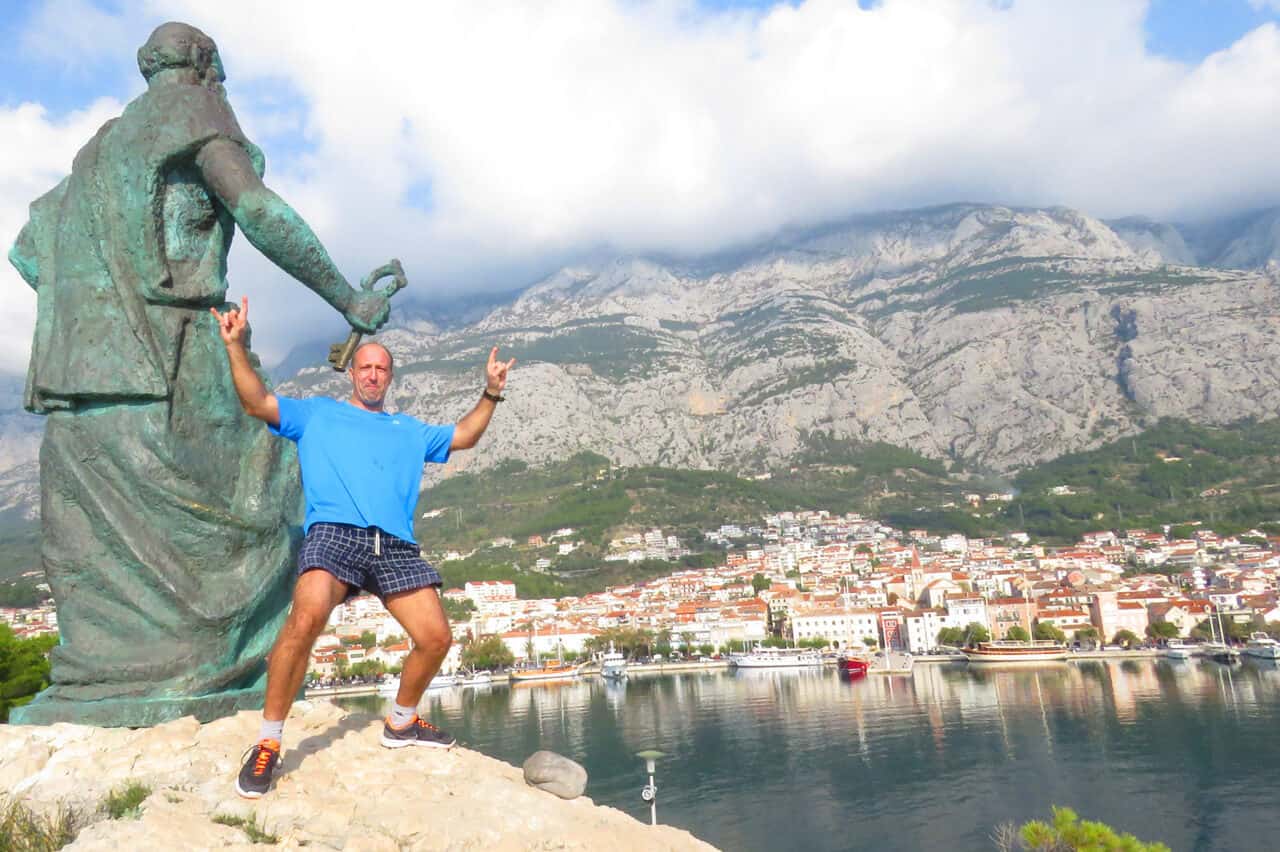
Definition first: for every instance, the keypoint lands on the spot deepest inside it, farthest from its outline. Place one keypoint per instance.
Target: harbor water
(1184, 752)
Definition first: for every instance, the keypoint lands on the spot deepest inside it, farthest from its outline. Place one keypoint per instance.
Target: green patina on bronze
(170, 518)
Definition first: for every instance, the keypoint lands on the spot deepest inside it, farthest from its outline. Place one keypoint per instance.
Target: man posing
(361, 468)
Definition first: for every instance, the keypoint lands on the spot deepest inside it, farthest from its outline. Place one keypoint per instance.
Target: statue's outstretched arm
(277, 231)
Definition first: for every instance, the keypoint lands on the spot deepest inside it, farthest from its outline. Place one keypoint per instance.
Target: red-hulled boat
(852, 666)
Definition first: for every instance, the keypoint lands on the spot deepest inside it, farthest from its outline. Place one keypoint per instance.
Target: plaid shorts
(366, 558)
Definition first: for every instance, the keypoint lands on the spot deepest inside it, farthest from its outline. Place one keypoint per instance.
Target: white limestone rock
(338, 790)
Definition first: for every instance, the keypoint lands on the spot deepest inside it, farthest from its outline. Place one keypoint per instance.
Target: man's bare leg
(422, 616)
(315, 595)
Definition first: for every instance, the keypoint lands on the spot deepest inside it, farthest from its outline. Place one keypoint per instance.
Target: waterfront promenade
(682, 666)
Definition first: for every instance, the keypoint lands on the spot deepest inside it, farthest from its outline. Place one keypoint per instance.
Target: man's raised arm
(254, 396)
(276, 230)
(467, 432)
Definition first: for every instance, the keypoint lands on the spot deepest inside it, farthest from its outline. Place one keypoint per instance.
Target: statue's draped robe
(170, 518)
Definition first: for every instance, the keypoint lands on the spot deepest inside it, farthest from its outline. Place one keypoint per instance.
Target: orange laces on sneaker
(266, 749)
(423, 723)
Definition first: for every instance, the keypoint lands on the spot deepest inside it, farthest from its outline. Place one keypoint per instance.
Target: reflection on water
(1177, 751)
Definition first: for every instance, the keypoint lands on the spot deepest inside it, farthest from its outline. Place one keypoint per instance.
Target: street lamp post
(649, 792)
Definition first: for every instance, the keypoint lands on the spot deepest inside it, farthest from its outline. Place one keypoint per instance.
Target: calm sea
(1182, 752)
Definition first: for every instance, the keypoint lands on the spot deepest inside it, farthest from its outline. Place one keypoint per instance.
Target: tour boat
(613, 665)
(550, 671)
(1263, 646)
(1175, 649)
(390, 686)
(1011, 651)
(852, 666)
(774, 658)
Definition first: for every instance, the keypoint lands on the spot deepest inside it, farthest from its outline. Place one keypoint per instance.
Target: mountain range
(990, 337)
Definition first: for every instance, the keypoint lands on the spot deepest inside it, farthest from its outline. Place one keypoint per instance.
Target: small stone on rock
(549, 771)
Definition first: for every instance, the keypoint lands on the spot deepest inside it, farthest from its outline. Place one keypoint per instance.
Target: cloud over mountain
(484, 144)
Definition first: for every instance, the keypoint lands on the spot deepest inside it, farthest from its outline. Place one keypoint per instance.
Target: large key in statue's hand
(368, 311)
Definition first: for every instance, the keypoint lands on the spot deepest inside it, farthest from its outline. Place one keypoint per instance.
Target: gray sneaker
(419, 732)
(259, 767)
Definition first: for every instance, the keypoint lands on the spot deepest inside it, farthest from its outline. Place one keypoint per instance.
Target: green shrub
(126, 801)
(1069, 833)
(25, 830)
(249, 825)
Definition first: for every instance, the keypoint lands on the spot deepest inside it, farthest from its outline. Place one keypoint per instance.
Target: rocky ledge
(338, 789)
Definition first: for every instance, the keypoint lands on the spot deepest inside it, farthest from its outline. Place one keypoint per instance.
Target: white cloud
(547, 129)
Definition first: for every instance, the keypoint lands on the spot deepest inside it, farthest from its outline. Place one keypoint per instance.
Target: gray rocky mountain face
(998, 336)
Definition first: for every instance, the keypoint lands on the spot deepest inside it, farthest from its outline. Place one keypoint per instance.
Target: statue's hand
(368, 311)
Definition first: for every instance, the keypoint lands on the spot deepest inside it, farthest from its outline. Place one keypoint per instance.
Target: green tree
(1017, 633)
(1048, 630)
(1087, 634)
(759, 583)
(24, 668)
(975, 633)
(1126, 638)
(817, 642)
(393, 639)
(871, 641)
(368, 639)
(687, 643)
(1162, 630)
(487, 652)
(1068, 833)
(706, 649)
(458, 610)
(368, 668)
(951, 636)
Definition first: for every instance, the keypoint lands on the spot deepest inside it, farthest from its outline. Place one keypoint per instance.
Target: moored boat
(613, 665)
(1262, 646)
(478, 678)
(1011, 651)
(1176, 649)
(442, 681)
(549, 671)
(852, 666)
(773, 658)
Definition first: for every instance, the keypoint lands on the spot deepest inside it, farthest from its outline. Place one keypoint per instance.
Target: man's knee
(434, 640)
(305, 625)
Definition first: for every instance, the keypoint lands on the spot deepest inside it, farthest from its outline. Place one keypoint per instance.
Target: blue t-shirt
(359, 467)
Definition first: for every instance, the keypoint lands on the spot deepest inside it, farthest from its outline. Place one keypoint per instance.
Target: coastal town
(842, 581)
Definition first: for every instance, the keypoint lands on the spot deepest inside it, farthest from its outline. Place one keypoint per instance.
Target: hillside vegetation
(1175, 473)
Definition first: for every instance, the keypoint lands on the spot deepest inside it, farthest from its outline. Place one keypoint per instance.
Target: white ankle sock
(401, 716)
(271, 731)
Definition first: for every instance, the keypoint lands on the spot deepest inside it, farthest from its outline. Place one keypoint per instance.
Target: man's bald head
(391, 361)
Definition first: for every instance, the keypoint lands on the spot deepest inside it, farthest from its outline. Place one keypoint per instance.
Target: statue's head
(177, 45)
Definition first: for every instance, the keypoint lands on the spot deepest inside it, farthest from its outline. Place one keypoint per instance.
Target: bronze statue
(170, 518)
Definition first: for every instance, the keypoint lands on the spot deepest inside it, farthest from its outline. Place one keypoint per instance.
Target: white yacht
(1176, 649)
(1262, 646)
(442, 681)
(775, 658)
(613, 665)
(482, 677)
